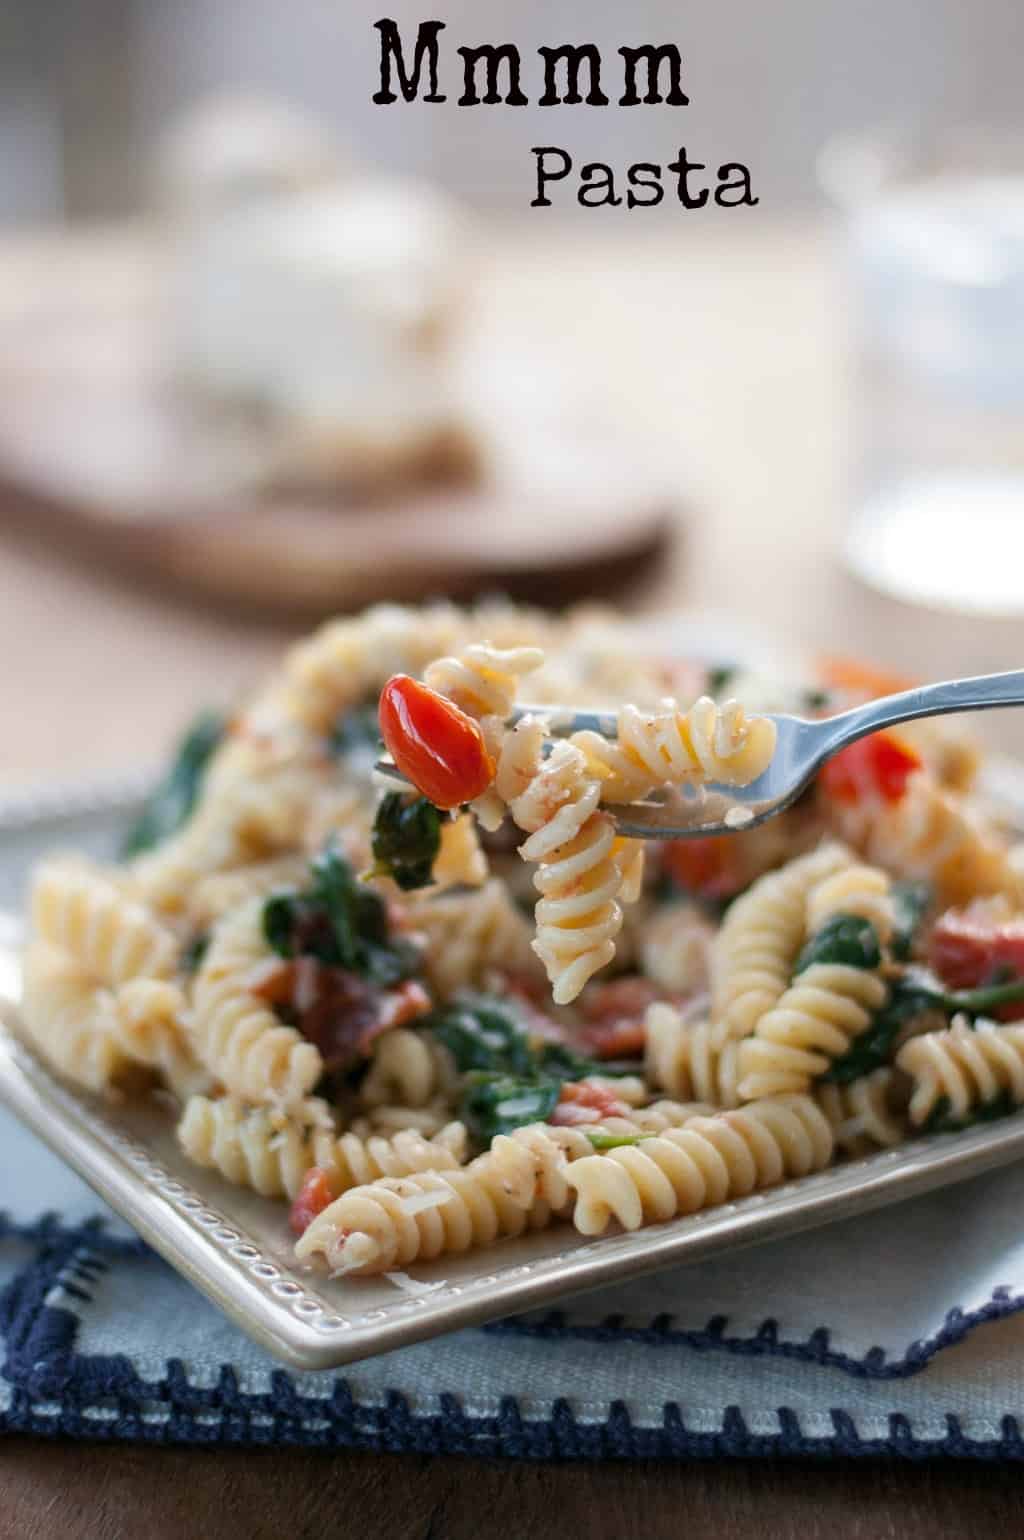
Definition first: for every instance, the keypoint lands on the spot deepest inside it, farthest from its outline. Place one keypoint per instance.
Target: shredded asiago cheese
(414, 1286)
(416, 1202)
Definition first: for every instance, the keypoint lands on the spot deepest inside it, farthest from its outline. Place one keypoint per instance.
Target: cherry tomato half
(582, 1103)
(878, 766)
(438, 747)
(311, 1199)
(710, 866)
(969, 947)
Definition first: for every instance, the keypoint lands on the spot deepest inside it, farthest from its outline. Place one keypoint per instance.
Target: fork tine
(561, 721)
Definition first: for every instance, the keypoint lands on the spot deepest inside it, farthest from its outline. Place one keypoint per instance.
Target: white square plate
(236, 1247)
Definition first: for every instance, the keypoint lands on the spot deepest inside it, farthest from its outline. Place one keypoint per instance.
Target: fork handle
(927, 700)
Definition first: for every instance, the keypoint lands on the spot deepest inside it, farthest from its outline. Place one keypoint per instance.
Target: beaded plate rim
(301, 1317)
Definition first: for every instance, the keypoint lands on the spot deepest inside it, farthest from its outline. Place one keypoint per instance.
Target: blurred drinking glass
(935, 241)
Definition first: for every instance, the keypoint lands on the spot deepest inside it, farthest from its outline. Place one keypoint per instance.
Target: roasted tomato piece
(877, 767)
(614, 1027)
(711, 868)
(311, 1199)
(627, 996)
(622, 1039)
(978, 945)
(581, 1102)
(438, 747)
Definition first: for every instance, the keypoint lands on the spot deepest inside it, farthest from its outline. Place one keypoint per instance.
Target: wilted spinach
(406, 840)
(499, 1104)
(172, 800)
(339, 920)
(872, 1047)
(940, 1120)
(844, 938)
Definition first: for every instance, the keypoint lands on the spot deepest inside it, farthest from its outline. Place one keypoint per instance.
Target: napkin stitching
(817, 1349)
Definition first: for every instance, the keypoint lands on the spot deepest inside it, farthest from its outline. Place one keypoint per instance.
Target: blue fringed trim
(766, 1342)
(287, 1419)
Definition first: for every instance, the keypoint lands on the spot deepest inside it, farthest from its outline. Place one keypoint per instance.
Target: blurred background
(268, 350)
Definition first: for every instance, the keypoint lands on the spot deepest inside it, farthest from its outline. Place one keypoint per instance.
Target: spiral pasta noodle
(70, 1018)
(264, 1149)
(271, 1151)
(399, 1220)
(823, 1010)
(675, 948)
(409, 1068)
(966, 1067)
(753, 954)
(150, 1026)
(861, 1114)
(670, 746)
(80, 908)
(706, 1162)
(573, 845)
(219, 893)
(697, 1060)
(858, 889)
(236, 1035)
(468, 935)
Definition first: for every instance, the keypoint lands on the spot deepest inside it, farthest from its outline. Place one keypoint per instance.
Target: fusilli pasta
(236, 1035)
(707, 1161)
(753, 954)
(964, 1070)
(675, 747)
(861, 1113)
(96, 920)
(699, 1059)
(814, 1022)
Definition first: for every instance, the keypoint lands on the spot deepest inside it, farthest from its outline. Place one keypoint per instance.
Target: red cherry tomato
(622, 1039)
(438, 747)
(876, 767)
(710, 868)
(311, 1199)
(582, 1103)
(969, 948)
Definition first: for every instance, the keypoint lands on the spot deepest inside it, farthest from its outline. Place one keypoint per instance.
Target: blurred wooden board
(99, 446)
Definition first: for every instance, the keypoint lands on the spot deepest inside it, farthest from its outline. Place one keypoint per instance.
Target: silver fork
(801, 748)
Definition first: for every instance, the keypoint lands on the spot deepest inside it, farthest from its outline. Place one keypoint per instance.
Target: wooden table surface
(731, 351)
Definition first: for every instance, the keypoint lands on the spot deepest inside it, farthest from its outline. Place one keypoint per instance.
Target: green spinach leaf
(940, 1120)
(483, 1033)
(341, 921)
(171, 802)
(872, 1047)
(499, 1104)
(844, 938)
(406, 840)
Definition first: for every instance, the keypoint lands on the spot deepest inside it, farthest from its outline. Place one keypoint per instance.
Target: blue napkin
(863, 1338)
